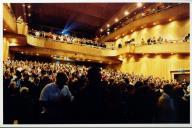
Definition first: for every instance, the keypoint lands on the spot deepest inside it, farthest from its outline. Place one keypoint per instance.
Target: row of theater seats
(66, 38)
(100, 95)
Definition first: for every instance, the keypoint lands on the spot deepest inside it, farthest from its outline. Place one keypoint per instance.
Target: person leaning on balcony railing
(54, 36)
(153, 40)
(142, 41)
(186, 38)
(37, 34)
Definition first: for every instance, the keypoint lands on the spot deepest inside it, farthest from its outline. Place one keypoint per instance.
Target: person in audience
(37, 34)
(166, 107)
(54, 95)
(149, 41)
(142, 42)
(17, 78)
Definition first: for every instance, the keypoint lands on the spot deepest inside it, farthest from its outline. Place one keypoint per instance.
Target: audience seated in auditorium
(101, 95)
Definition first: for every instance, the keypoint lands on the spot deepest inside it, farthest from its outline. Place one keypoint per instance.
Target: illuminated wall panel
(5, 49)
(156, 65)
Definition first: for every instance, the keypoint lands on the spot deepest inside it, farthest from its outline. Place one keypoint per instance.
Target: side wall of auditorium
(160, 65)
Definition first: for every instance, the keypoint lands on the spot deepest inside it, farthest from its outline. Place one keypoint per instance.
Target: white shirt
(51, 92)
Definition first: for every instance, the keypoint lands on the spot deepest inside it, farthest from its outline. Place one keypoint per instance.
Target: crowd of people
(66, 38)
(161, 40)
(153, 40)
(40, 92)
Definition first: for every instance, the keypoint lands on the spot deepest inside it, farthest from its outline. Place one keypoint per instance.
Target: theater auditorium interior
(96, 63)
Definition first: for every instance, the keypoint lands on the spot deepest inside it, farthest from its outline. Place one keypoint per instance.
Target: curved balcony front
(165, 47)
(69, 47)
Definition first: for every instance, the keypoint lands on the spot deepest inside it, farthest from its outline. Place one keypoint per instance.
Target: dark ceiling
(82, 18)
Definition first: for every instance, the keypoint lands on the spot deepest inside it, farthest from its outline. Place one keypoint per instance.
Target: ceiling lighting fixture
(29, 6)
(29, 14)
(21, 52)
(139, 4)
(126, 13)
(116, 20)
(101, 30)
(108, 25)
(37, 54)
